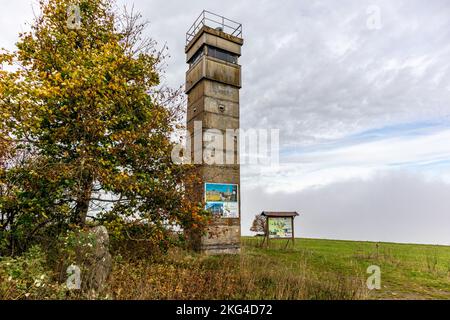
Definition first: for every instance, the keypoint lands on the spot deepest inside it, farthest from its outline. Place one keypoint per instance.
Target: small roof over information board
(279, 214)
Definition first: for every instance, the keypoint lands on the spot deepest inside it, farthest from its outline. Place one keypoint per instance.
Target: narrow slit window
(222, 55)
(196, 56)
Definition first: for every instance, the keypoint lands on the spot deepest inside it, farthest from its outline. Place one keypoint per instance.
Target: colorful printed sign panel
(280, 228)
(222, 199)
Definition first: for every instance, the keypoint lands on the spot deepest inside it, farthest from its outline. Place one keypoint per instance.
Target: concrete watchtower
(213, 47)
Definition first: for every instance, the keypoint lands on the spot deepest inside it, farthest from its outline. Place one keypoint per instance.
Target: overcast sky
(360, 91)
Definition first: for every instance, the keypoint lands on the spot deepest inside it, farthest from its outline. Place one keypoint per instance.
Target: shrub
(28, 277)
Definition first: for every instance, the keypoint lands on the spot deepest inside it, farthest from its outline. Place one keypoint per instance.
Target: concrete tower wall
(212, 86)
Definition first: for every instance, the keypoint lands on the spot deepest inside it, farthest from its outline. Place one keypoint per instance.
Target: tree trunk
(83, 200)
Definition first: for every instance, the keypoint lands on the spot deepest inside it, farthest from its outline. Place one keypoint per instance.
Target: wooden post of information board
(293, 231)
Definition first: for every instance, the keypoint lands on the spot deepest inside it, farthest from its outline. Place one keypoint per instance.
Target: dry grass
(181, 275)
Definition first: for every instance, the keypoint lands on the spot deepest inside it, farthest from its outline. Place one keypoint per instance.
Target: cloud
(15, 17)
(314, 69)
(410, 149)
(393, 206)
(335, 77)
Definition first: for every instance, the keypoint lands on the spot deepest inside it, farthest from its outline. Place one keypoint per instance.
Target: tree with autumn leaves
(85, 129)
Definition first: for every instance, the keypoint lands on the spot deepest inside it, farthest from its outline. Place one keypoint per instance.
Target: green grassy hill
(312, 269)
(408, 271)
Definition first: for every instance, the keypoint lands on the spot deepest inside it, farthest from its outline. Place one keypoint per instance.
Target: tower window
(196, 56)
(222, 55)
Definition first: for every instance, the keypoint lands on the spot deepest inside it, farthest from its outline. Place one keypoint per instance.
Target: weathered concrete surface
(212, 105)
(216, 90)
(213, 86)
(213, 38)
(213, 69)
(223, 236)
(212, 120)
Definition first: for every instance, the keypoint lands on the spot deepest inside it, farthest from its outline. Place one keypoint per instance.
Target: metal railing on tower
(214, 21)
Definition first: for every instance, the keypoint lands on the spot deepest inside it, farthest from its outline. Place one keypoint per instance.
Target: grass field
(310, 270)
(408, 271)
